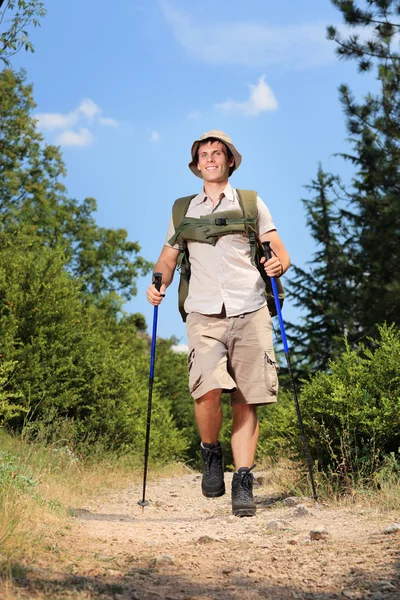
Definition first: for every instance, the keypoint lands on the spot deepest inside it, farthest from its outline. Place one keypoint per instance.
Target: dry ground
(184, 546)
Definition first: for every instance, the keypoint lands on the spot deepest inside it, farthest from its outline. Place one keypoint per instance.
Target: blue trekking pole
(268, 255)
(157, 278)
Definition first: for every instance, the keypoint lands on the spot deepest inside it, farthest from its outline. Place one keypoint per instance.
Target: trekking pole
(157, 284)
(268, 255)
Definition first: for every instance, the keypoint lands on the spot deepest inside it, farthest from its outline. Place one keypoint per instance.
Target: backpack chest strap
(209, 228)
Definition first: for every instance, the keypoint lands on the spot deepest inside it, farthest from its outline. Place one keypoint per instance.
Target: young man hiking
(229, 326)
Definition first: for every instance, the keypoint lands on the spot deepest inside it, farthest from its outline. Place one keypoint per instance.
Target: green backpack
(211, 227)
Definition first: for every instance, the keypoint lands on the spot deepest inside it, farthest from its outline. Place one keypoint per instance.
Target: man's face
(213, 162)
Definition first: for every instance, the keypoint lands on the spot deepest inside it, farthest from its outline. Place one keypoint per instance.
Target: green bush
(79, 373)
(351, 413)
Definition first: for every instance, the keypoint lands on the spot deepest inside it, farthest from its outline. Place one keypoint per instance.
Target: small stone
(258, 481)
(350, 594)
(386, 586)
(292, 542)
(114, 573)
(319, 533)
(206, 539)
(290, 501)
(162, 559)
(301, 510)
(274, 525)
(392, 529)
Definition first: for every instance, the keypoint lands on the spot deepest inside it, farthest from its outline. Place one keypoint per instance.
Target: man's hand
(273, 267)
(154, 296)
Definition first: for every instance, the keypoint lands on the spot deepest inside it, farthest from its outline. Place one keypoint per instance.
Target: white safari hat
(222, 137)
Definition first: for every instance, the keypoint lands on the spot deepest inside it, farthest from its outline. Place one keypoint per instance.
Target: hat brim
(195, 146)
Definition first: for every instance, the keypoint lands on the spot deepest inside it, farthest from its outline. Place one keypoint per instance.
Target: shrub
(351, 413)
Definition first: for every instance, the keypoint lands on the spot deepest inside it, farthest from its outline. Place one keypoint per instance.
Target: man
(229, 326)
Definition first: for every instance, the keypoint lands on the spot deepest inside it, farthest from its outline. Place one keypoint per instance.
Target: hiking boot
(243, 504)
(212, 484)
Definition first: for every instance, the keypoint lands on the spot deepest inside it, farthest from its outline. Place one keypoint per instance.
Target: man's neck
(213, 190)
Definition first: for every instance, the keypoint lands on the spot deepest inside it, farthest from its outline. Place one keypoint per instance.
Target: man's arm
(279, 264)
(166, 265)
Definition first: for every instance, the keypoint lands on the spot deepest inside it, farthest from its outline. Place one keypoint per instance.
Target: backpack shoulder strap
(248, 203)
(180, 209)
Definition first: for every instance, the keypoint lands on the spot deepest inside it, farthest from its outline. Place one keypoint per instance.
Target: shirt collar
(227, 193)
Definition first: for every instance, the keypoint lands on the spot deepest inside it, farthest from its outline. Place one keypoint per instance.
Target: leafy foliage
(32, 194)
(71, 365)
(15, 18)
(351, 413)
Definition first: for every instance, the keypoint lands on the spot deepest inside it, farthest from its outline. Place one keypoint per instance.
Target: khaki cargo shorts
(234, 354)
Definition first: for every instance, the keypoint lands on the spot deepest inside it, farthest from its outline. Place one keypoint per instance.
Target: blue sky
(125, 88)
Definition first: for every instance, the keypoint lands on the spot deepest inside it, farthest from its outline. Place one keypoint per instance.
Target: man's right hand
(154, 296)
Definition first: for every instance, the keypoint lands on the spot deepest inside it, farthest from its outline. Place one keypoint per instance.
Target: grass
(38, 487)
(40, 484)
(380, 492)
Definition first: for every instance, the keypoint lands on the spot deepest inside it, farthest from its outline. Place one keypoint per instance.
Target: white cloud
(180, 348)
(108, 122)
(87, 113)
(52, 121)
(155, 136)
(250, 44)
(261, 99)
(89, 109)
(83, 137)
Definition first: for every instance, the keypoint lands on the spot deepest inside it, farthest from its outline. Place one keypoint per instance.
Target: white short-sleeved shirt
(223, 275)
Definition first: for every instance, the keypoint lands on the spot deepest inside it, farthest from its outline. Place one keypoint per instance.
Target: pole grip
(157, 280)
(267, 250)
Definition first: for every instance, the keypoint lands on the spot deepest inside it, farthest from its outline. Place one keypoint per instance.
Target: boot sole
(216, 494)
(244, 512)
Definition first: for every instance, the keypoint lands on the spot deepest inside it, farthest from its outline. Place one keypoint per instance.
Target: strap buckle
(221, 221)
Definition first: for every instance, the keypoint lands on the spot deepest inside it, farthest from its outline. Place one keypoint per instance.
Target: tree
(356, 281)
(68, 369)
(374, 126)
(14, 34)
(31, 193)
(322, 291)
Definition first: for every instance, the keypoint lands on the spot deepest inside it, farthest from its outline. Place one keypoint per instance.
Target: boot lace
(213, 456)
(246, 481)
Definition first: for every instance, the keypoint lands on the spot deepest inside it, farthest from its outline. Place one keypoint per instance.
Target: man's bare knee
(213, 396)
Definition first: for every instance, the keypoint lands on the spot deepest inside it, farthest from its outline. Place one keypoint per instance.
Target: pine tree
(374, 127)
(355, 282)
(321, 291)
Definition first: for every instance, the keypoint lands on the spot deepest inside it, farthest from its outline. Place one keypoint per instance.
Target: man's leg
(244, 434)
(244, 443)
(208, 413)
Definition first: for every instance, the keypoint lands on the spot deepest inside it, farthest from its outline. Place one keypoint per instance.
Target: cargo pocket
(271, 369)
(194, 375)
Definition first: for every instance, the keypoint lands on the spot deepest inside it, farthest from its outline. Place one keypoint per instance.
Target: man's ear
(232, 161)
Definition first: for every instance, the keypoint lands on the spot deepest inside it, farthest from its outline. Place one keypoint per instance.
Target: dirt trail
(187, 547)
